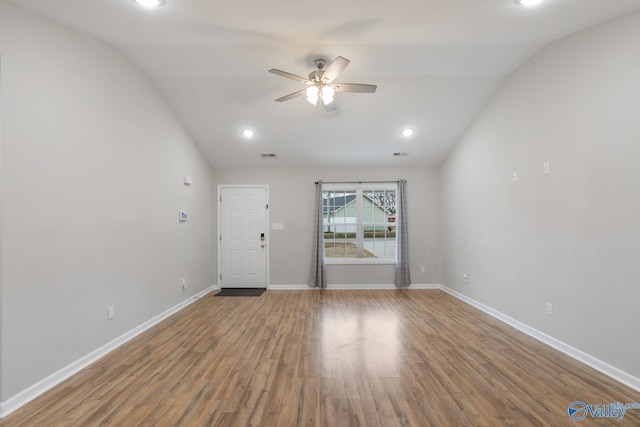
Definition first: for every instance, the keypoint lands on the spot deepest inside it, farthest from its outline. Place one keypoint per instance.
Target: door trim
(266, 227)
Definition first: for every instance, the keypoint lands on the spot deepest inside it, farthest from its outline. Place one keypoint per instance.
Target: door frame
(266, 228)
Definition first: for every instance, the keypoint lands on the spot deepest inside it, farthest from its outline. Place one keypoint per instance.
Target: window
(359, 223)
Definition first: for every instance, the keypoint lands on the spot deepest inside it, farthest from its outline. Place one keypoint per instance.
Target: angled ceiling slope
(435, 63)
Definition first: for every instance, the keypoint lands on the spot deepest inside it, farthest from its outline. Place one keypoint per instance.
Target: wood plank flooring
(329, 358)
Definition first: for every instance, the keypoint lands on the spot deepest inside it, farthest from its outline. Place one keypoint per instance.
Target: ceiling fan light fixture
(327, 94)
(312, 94)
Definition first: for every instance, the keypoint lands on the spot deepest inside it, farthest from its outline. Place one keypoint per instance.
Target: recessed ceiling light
(529, 2)
(248, 133)
(407, 132)
(150, 3)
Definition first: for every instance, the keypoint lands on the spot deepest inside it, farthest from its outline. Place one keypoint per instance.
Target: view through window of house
(359, 223)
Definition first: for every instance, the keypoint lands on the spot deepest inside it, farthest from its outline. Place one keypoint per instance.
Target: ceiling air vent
(268, 155)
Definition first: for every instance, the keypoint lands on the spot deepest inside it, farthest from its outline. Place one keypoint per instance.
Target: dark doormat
(241, 292)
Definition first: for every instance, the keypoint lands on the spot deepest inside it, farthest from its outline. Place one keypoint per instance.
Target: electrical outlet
(549, 309)
(111, 312)
(466, 278)
(184, 283)
(515, 176)
(423, 269)
(546, 168)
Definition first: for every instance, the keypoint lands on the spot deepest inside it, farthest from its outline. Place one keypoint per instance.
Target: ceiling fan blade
(291, 96)
(335, 68)
(354, 87)
(290, 76)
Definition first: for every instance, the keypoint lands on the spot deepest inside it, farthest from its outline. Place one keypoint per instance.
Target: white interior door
(243, 237)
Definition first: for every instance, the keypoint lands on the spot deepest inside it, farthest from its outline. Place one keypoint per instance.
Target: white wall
(291, 193)
(92, 167)
(572, 237)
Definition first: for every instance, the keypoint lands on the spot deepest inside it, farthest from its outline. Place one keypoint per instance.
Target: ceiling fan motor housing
(316, 76)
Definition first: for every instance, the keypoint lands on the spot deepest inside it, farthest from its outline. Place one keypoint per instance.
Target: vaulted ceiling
(436, 64)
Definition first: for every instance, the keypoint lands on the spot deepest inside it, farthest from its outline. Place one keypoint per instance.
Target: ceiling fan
(320, 82)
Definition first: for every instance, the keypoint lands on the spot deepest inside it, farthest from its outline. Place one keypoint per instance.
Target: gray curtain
(317, 275)
(403, 274)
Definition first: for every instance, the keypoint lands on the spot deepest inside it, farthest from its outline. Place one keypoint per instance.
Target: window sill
(358, 261)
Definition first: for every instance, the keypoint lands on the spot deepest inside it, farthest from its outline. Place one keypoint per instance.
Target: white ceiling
(436, 64)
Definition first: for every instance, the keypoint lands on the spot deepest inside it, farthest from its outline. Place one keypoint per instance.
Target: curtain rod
(360, 182)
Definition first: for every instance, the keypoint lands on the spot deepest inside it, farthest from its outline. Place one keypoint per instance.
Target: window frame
(359, 189)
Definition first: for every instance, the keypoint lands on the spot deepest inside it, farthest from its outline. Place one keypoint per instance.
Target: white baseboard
(289, 287)
(350, 286)
(579, 355)
(56, 378)
(425, 286)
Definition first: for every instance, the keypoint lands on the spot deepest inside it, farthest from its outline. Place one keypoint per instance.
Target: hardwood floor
(329, 358)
